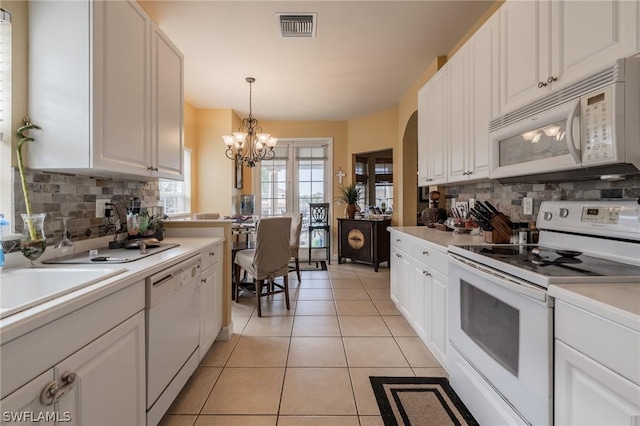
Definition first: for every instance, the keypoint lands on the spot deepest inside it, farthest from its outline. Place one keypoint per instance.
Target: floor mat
(419, 401)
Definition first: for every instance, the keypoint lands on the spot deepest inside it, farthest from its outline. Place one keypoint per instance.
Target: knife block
(495, 237)
(502, 231)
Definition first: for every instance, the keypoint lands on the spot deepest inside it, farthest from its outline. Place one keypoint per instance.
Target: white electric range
(501, 317)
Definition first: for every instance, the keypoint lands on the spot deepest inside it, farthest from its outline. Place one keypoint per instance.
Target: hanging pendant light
(249, 144)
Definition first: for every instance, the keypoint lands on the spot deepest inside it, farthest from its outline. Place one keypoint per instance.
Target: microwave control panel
(597, 126)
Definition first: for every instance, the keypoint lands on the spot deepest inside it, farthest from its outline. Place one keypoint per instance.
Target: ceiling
(365, 57)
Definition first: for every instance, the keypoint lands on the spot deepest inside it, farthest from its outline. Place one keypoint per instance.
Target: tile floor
(309, 366)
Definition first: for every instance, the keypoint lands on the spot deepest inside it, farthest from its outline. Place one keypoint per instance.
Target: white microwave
(587, 130)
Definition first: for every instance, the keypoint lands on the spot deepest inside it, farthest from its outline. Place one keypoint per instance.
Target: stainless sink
(21, 289)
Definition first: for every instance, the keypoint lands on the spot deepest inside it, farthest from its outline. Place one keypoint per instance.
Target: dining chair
(268, 260)
(319, 222)
(294, 241)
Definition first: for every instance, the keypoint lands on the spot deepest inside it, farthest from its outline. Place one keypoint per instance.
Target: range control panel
(616, 219)
(600, 214)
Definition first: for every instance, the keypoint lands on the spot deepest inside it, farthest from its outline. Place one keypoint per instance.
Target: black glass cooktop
(551, 264)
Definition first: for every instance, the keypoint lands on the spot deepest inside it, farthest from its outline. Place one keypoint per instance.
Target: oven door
(502, 326)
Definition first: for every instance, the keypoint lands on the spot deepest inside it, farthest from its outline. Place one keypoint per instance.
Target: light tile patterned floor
(309, 366)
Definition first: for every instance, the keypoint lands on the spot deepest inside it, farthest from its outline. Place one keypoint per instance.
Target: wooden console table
(364, 240)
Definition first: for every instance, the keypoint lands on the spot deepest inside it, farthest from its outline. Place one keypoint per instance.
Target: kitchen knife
(482, 221)
(109, 259)
(484, 210)
(497, 212)
(492, 208)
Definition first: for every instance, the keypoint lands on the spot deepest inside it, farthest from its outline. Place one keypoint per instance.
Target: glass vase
(33, 242)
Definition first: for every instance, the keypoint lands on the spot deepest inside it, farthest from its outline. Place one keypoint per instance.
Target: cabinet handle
(397, 255)
(54, 390)
(155, 169)
(464, 173)
(212, 253)
(150, 168)
(426, 253)
(203, 280)
(426, 273)
(469, 172)
(397, 240)
(541, 84)
(551, 79)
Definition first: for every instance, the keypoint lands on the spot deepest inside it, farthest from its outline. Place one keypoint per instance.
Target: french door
(298, 175)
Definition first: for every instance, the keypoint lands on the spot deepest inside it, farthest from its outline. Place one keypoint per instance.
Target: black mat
(419, 401)
(320, 265)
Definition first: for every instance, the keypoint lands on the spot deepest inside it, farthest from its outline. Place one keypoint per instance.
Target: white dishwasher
(173, 321)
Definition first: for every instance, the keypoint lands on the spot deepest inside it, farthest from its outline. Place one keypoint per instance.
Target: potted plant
(350, 195)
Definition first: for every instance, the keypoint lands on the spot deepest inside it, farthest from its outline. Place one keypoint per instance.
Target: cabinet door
(437, 128)
(394, 276)
(121, 87)
(524, 52)
(589, 35)
(586, 392)
(166, 106)
(437, 311)
(484, 90)
(110, 378)
(210, 308)
(400, 279)
(423, 155)
(24, 407)
(419, 285)
(458, 134)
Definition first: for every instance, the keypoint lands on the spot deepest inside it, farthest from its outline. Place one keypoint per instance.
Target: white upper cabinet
(546, 45)
(458, 110)
(433, 148)
(167, 106)
(102, 108)
(423, 170)
(484, 91)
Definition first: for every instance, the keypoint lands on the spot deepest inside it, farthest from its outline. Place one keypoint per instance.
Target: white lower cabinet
(597, 373)
(110, 378)
(401, 281)
(24, 406)
(102, 383)
(589, 393)
(419, 286)
(210, 297)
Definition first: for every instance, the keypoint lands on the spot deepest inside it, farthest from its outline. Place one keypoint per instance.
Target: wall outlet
(100, 205)
(527, 205)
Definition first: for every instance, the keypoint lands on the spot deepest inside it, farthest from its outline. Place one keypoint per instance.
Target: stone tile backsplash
(508, 198)
(61, 194)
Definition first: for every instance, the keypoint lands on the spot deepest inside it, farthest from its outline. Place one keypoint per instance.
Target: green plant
(350, 193)
(24, 139)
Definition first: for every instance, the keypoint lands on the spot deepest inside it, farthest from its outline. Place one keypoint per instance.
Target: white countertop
(435, 236)
(617, 302)
(22, 322)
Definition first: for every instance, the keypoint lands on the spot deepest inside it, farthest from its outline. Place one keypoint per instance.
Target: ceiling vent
(300, 25)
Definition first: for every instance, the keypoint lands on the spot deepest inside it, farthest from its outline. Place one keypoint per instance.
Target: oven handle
(510, 283)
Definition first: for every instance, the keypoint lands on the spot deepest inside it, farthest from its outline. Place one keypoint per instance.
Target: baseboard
(225, 333)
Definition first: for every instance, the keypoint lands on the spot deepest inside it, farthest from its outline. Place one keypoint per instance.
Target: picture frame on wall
(424, 194)
(238, 173)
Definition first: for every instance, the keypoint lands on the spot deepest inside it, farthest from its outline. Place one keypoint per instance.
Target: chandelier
(249, 144)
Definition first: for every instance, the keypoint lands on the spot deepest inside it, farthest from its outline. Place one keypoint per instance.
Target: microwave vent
(589, 84)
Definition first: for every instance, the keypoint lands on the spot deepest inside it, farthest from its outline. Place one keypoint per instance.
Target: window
(175, 196)
(5, 115)
(384, 183)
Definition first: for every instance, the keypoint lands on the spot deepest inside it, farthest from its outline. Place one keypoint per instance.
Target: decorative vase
(33, 242)
(433, 214)
(351, 211)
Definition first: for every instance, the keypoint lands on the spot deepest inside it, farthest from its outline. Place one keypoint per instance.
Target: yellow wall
(191, 142)
(19, 56)
(215, 172)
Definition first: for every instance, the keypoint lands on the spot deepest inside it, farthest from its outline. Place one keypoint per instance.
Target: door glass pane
(544, 142)
(273, 187)
(491, 324)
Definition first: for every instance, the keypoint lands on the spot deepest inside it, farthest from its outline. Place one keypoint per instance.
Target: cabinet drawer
(612, 345)
(401, 241)
(431, 257)
(210, 256)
